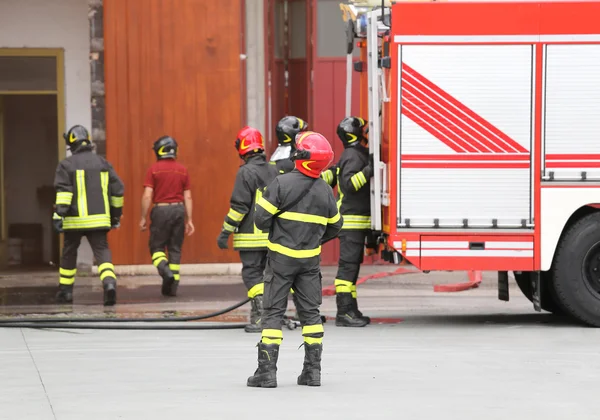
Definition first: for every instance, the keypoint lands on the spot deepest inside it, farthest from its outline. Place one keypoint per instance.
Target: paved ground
(438, 356)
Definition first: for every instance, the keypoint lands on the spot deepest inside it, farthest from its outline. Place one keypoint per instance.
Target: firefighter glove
(222, 240)
(57, 223)
(115, 222)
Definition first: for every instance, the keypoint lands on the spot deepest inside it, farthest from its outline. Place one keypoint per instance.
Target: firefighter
(167, 185)
(254, 174)
(355, 168)
(299, 211)
(287, 129)
(89, 203)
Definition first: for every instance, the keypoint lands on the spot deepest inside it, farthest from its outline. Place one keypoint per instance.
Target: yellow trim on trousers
(158, 257)
(66, 276)
(256, 290)
(270, 336)
(343, 286)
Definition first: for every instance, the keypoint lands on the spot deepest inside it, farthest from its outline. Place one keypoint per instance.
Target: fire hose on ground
(83, 323)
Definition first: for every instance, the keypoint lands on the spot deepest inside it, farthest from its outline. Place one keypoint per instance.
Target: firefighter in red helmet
(300, 213)
(251, 243)
(355, 169)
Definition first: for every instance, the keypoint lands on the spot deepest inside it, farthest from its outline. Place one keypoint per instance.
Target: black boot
(65, 293)
(174, 286)
(255, 315)
(265, 375)
(167, 277)
(346, 316)
(358, 312)
(311, 372)
(109, 285)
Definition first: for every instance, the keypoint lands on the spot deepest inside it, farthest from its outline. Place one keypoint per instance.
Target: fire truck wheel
(576, 270)
(549, 301)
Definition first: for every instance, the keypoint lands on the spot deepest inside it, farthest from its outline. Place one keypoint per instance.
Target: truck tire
(577, 270)
(549, 301)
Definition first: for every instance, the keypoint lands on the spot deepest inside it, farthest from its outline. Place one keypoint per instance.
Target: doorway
(31, 127)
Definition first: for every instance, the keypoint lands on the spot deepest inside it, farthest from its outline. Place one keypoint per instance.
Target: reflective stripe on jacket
(300, 231)
(354, 196)
(88, 192)
(250, 181)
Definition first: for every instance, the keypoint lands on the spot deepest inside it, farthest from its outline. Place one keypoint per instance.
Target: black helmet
(76, 137)
(165, 148)
(287, 129)
(352, 130)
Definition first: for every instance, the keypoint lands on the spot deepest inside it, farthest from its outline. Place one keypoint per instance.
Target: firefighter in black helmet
(355, 169)
(167, 185)
(287, 129)
(89, 202)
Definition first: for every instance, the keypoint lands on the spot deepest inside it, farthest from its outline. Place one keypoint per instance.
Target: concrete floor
(443, 356)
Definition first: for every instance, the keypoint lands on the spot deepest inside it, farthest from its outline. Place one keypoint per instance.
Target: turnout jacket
(251, 179)
(298, 232)
(89, 193)
(354, 199)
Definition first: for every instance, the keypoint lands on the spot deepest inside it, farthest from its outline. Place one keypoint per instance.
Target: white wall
(55, 24)
(255, 64)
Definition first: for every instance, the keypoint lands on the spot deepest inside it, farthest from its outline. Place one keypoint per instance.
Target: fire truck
(484, 124)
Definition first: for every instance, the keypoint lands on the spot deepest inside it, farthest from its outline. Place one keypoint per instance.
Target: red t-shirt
(169, 179)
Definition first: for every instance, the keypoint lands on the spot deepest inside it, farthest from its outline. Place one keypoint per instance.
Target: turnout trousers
(305, 278)
(99, 243)
(253, 268)
(167, 231)
(352, 244)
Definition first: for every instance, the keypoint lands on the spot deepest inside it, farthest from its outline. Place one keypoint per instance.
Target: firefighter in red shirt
(167, 185)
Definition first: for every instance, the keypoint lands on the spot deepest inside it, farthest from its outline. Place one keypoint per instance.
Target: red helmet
(249, 140)
(313, 153)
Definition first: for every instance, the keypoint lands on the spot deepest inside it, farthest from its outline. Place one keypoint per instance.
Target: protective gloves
(115, 222)
(57, 222)
(368, 170)
(222, 239)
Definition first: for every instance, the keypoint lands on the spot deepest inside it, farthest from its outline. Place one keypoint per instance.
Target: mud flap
(536, 291)
(503, 293)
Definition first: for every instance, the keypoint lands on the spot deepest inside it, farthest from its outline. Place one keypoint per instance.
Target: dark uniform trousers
(305, 278)
(352, 243)
(253, 267)
(167, 231)
(99, 243)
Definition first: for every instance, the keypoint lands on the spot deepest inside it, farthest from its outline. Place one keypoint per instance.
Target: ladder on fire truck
(370, 21)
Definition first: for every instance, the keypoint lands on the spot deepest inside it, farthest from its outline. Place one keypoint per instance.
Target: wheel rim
(591, 269)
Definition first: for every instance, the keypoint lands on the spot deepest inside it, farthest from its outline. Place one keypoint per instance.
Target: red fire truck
(484, 119)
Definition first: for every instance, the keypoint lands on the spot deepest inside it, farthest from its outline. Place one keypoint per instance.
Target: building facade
(136, 70)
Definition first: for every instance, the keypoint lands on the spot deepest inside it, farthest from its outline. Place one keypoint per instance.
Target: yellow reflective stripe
(89, 222)
(106, 266)
(104, 182)
(293, 253)
(267, 206)
(354, 183)
(81, 193)
(362, 177)
(227, 227)
(256, 290)
(303, 217)
(158, 257)
(235, 215)
(117, 202)
(312, 329)
(313, 340)
(66, 280)
(266, 340)
(272, 333)
(334, 219)
(343, 286)
(66, 272)
(176, 276)
(357, 218)
(356, 222)
(64, 198)
(107, 273)
(174, 267)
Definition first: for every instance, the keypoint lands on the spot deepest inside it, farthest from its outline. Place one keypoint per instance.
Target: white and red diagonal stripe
(449, 120)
